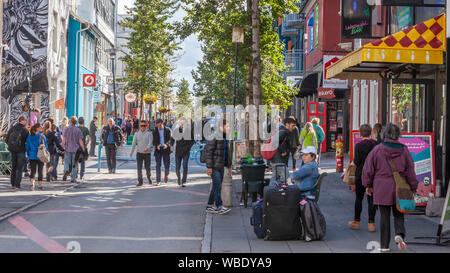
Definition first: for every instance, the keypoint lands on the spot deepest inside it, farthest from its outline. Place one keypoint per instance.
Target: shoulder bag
(404, 195)
(43, 154)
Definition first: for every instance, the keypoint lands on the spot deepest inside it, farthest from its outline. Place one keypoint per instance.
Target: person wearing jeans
(16, 139)
(183, 147)
(72, 140)
(163, 142)
(143, 140)
(219, 153)
(111, 139)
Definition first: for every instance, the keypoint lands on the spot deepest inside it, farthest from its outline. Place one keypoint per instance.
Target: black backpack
(15, 144)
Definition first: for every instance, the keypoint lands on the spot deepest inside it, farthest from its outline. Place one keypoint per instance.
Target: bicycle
(195, 153)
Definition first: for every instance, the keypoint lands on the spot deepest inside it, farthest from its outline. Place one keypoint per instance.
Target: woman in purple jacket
(378, 180)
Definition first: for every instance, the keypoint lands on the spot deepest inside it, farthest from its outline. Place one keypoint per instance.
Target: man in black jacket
(163, 142)
(219, 155)
(15, 139)
(93, 138)
(183, 148)
(111, 139)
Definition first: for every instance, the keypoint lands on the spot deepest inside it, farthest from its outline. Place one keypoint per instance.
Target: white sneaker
(223, 210)
(211, 209)
(384, 250)
(400, 243)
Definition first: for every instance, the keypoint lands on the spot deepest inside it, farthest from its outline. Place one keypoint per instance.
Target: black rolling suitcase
(281, 218)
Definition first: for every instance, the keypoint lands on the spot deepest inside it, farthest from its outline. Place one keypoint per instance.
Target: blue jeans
(17, 163)
(185, 161)
(216, 191)
(54, 161)
(69, 162)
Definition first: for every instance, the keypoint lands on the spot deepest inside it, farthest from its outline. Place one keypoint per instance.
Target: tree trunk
(256, 53)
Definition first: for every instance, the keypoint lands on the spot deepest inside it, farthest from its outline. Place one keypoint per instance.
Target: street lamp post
(113, 66)
(237, 38)
(30, 81)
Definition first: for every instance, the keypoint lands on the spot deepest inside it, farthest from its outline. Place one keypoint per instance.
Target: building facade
(44, 24)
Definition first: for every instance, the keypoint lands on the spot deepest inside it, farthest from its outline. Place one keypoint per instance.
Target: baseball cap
(309, 150)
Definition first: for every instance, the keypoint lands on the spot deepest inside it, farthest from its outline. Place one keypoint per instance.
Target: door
(319, 110)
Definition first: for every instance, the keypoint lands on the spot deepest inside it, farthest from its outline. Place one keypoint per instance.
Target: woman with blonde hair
(49, 132)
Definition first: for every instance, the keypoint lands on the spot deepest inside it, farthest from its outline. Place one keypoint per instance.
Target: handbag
(43, 154)
(349, 175)
(404, 195)
(267, 149)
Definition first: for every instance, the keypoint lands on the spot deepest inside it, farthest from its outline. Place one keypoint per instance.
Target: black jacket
(117, 132)
(53, 142)
(284, 140)
(362, 150)
(214, 150)
(23, 133)
(168, 140)
(183, 146)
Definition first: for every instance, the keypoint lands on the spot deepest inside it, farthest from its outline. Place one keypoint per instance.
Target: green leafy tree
(152, 45)
(183, 94)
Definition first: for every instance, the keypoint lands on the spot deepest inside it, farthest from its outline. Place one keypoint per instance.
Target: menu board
(356, 19)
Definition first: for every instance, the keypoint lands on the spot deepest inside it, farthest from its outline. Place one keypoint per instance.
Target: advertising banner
(328, 60)
(356, 19)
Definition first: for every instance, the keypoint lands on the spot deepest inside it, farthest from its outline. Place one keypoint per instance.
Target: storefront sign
(325, 93)
(96, 96)
(59, 104)
(356, 19)
(89, 80)
(420, 145)
(328, 60)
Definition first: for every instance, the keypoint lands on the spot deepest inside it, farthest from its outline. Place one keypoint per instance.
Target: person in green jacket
(308, 137)
(320, 135)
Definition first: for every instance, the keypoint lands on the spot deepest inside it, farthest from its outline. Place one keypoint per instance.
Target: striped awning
(420, 44)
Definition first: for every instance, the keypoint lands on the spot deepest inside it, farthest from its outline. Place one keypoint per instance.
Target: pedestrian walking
(86, 139)
(163, 142)
(294, 136)
(135, 125)
(282, 155)
(376, 132)
(35, 138)
(362, 150)
(92, 135)
(16, 139)
(320, 134)
(52, 143)
(308, 136)
(143, 142)
(128, 127)
(119, 120)
(378, 179)
(183, 150)
(219, 156)
(111, 139)
(72, 141)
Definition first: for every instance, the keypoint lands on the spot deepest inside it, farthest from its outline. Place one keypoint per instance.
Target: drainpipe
(76, 67)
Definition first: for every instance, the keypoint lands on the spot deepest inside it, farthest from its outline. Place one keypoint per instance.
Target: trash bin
(252, 179)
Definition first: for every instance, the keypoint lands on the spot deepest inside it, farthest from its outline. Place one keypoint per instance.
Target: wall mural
(24, 22)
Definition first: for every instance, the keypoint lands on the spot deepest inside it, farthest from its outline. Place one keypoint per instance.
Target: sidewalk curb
(22, 209)
(207, 234)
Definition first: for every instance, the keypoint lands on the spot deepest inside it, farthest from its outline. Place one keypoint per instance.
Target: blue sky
(189, 54)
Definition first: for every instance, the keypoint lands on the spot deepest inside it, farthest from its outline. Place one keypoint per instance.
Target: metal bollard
(227, 190)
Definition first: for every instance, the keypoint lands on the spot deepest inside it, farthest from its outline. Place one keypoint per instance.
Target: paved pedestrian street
(108, 213)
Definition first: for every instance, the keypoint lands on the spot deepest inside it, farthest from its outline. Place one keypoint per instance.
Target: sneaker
(183, 184)
(307, 238)
(211, 209)
(354, 225)
(223, 210)
(400, 243)
(74, 181)
(371, 227)
(384, 250)
(140, 184)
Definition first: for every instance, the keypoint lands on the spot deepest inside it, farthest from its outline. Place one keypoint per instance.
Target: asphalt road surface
(110, 214)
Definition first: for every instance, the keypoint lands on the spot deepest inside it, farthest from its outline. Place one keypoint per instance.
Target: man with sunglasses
(143, 140)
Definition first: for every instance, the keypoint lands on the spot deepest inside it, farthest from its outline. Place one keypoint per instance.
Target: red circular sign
(89, 80)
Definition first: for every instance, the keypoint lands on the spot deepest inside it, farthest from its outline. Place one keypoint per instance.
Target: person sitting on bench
(306, 177)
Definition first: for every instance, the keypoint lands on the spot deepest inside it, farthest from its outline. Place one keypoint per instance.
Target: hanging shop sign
(89, 80)
(96, 96)
(59, 104)
(325, 93)
(420, 145)
(130, 97)
(356, 19)
(328, 60)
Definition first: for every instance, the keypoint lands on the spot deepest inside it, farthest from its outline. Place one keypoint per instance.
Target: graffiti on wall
(24, 22)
